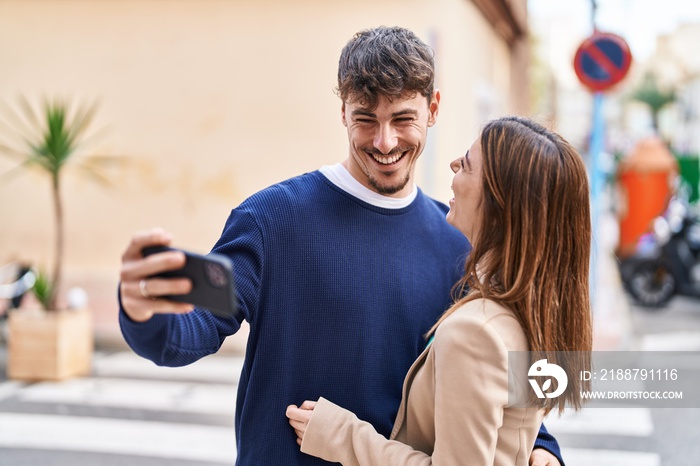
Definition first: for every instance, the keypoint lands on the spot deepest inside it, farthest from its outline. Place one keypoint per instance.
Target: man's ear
(433, 107)
(342, 114)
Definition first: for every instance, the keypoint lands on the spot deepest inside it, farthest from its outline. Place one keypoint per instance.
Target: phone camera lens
(216, 274)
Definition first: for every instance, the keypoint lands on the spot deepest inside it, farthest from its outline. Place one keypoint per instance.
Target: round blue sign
(602, 60)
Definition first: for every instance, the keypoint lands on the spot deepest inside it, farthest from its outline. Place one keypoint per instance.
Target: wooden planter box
(49, 345)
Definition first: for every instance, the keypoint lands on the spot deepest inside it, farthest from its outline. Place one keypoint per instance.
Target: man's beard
(389, 190)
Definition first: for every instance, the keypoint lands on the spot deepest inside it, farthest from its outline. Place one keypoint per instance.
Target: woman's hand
(299, 418)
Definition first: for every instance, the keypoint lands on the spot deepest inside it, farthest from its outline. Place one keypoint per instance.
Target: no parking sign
(602, 60)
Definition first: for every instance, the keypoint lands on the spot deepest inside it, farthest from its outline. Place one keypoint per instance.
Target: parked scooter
(15, 281)
(667, 261)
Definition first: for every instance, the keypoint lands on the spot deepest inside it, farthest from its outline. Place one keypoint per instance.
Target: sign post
(601, 61)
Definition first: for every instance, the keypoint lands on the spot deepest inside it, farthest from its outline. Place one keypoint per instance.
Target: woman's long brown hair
(533, 252)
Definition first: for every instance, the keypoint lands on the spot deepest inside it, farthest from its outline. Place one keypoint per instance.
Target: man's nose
(386, 139)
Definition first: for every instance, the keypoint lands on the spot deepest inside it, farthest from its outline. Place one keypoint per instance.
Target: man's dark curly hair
(389, 62)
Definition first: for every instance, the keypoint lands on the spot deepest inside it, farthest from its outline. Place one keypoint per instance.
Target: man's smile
(388, 160)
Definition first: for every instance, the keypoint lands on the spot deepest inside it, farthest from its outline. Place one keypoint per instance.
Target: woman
(521, 198)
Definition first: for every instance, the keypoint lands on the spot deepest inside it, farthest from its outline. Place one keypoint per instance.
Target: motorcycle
(667, 261)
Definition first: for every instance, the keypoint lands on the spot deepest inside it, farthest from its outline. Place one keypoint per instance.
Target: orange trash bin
(646, 179)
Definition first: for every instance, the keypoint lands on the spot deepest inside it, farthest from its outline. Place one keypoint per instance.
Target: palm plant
(43, 290)
(48, 141)
(656, 98)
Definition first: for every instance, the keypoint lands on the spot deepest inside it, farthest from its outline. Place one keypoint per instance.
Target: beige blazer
(454, 409)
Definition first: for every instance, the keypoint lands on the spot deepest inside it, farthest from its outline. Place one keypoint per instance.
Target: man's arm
(166, 332)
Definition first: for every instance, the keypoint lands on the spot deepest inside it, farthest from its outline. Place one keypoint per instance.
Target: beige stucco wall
(210, 101)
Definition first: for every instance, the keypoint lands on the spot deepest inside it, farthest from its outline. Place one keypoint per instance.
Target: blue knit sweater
(338, 294)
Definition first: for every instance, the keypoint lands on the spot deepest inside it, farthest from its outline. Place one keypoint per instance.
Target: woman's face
(465, 206)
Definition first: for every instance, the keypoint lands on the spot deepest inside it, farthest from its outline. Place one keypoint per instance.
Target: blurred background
(175, 111)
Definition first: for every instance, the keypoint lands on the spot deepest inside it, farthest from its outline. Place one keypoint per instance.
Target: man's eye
(404, 120)
(364, 120)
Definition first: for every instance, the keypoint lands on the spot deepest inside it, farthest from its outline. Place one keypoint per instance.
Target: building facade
(208, 101)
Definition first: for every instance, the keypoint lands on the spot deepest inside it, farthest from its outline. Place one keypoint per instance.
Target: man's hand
(541, 457)
(139, 293)
(299, 418)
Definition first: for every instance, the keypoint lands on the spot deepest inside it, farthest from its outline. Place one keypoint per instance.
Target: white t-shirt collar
(341, 177)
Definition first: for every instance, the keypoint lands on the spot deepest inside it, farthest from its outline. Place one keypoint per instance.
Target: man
(339, 272)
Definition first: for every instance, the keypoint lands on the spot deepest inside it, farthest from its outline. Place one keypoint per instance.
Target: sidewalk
(612, 323)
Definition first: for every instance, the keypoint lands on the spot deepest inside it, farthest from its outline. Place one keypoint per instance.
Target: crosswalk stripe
(215, 368)
(585, 457)
(627, 421)
(153, 395)
(9, 388)
(118, 436)
(671, 341)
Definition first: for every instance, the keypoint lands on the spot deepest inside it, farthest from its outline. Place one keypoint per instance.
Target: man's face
(386, 141)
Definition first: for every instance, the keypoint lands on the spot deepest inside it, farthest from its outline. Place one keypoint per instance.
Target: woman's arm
(335, 434)
(471, 389)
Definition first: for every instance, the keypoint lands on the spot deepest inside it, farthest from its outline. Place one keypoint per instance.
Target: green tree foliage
(656, 98)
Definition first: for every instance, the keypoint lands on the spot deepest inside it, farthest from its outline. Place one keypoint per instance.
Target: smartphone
(212, 281)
